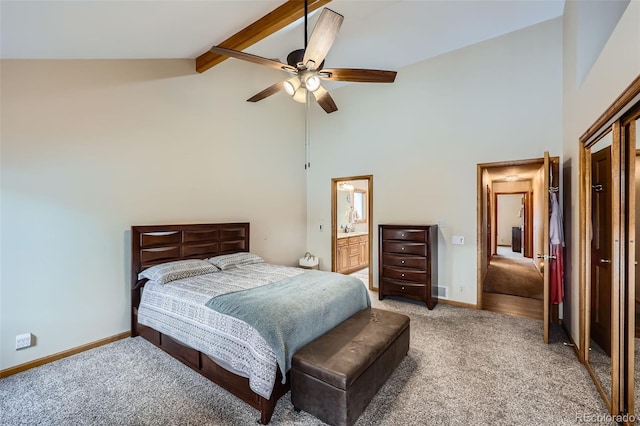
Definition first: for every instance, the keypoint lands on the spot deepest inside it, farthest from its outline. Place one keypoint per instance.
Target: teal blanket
(292, 312)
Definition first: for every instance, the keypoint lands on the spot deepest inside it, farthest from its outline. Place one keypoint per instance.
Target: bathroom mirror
(344, 204)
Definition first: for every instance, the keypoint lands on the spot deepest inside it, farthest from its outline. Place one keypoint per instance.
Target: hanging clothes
(556, 240)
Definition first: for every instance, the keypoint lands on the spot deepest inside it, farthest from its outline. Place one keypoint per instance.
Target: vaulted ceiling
(375, 34)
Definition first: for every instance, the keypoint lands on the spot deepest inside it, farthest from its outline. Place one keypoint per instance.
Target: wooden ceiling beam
(272, 22)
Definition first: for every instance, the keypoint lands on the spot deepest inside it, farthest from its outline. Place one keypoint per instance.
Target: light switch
(457, 239)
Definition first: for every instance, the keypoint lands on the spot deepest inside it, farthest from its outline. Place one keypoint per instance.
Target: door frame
(527, 234)
(334, 220)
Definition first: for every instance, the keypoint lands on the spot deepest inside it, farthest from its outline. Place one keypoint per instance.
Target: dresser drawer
(405, 261)
(404, 274)
(400, 288)
(404, 234)
(419, 249)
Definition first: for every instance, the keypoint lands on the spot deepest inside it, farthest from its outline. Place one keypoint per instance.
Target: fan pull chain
(307, 141)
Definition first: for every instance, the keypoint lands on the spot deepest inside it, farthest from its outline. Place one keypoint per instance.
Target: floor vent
(442, 291)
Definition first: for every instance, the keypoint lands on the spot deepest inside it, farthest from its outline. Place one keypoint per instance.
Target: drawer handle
(402, 248)
(403, 288)
(403, 275)
(402, 235)
(403, 261)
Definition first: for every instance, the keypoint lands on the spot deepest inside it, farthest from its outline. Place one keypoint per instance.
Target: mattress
(178, 310)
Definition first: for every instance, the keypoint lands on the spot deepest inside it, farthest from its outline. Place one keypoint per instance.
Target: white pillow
(229, 261)
(171, 271)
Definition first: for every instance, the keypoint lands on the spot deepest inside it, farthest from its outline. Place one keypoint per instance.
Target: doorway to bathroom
(352, 227)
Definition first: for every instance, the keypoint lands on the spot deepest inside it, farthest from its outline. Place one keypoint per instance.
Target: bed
(253, 376)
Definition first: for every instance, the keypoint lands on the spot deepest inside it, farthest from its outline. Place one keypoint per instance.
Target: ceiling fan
(306, 66)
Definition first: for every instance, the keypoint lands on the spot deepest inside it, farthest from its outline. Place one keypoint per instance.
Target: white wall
(618, 64)
(596, 21)
(422, 137)
(90, 148)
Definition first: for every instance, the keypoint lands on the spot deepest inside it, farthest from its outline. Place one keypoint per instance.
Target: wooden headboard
(155, 244)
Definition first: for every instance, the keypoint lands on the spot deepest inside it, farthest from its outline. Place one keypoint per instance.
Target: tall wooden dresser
(408, 262)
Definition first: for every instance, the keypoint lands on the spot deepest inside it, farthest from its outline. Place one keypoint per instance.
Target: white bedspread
(178, 310)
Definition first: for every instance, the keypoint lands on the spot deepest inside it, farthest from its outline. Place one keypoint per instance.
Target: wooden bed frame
(155, 244)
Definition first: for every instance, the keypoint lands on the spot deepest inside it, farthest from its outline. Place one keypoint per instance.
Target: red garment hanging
(556, 270)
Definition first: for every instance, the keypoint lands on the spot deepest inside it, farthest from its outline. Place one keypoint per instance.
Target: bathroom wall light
(346, 187)
(511, 178)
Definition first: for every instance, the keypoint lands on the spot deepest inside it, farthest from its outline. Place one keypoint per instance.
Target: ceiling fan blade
(285, 14)
(358, 75)
(252, 58)
(322, 37)
(266, 92)
(325, 100)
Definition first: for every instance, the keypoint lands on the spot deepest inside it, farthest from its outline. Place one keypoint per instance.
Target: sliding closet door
(620, 123)
(630, 132)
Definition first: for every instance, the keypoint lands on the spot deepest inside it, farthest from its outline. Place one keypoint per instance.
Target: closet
(608, 300)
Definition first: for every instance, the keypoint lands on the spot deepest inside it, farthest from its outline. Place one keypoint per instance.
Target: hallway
(513, 285)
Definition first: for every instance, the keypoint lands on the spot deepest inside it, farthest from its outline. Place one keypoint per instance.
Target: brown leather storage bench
(335, 376)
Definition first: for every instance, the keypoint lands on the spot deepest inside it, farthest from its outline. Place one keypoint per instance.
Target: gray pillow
(228, 261)
(171, 271)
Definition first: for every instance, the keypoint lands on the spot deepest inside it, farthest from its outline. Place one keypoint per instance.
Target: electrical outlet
(461, 289)
(23, 341)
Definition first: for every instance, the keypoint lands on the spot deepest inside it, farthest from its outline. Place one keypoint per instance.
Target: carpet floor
(362, 275)
(514, 276)
(601, 365)
(464, 367)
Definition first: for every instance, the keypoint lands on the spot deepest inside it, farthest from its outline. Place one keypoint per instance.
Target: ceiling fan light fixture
(291, 85)
(312, 83)
(300, 95)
